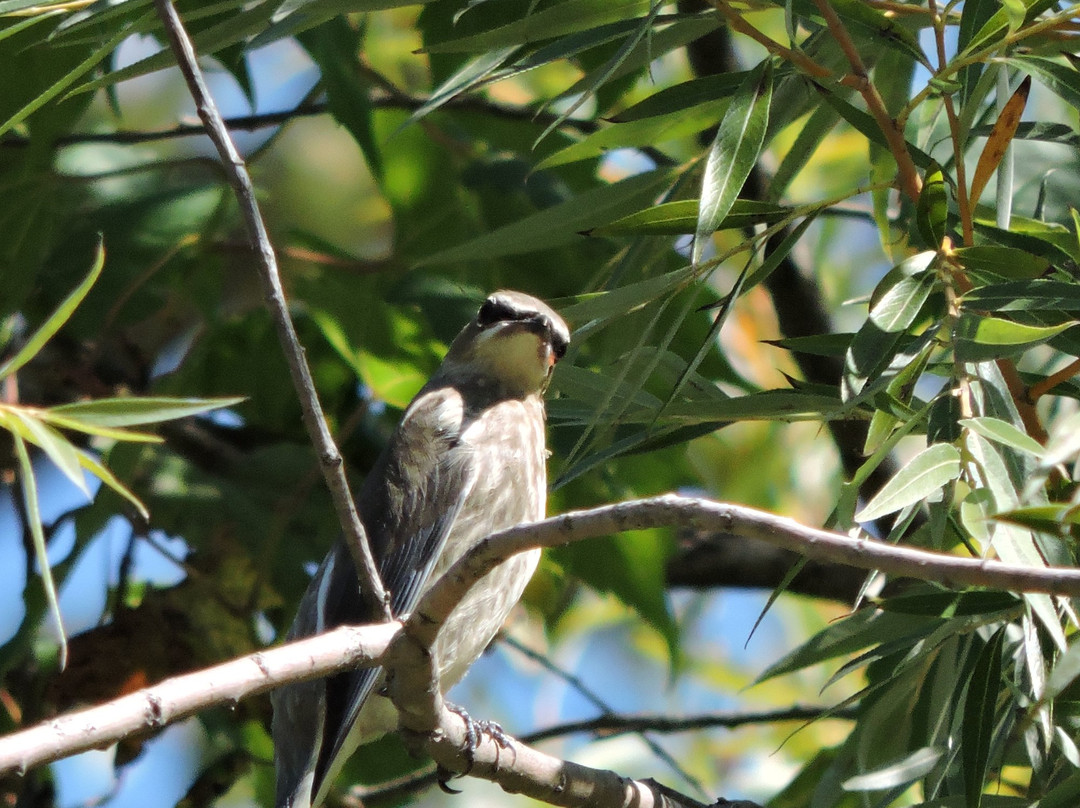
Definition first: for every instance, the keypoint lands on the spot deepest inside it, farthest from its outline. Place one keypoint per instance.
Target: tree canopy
(820, 257)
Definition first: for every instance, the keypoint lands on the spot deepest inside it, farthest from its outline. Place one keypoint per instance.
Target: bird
(467, 458)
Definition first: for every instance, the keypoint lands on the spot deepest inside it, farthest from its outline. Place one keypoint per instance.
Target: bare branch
(404, 648)
(736, 520)
(330, 459)
(182, 696)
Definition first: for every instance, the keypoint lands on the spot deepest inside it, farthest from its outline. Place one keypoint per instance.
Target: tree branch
(182, 696)
(333, 466)
(404, 647)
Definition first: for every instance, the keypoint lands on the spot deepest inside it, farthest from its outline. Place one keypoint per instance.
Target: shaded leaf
(57, 319)
(932, 211)
(980, 707)
(561, 223)
(679, 218)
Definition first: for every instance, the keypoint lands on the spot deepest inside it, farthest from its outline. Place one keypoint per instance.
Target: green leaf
(33, 519)
(980, 338)
(1033, 295)
(336, 46)
(62, 422)
(980, 708)
(568, 17)
(1060, 77)
(56, 447)
(863, 629)
(623, 300)
(1004, 433)
(1053, 518)
(57, 319)
(902, 772)
(923, 475)
(680, 218)
(679, 98)
(734, 153)
(561, 223)
(932, 211)
(99, 470)
(645, 132)
(1007, 262)
(120, 412)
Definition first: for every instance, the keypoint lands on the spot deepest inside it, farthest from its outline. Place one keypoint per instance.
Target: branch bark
(404, 647)
(330, 460)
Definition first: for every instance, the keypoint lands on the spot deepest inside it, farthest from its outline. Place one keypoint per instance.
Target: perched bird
(467, 459)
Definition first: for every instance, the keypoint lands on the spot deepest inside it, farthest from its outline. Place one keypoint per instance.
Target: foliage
(684, 182)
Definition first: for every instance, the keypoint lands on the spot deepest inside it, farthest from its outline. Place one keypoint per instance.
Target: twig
(791, 55)
(1040, 389)
(608, 725)
(329, 457)
(606, 710)
(910, 182)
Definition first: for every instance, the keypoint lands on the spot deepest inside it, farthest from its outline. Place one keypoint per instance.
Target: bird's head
(512, 344)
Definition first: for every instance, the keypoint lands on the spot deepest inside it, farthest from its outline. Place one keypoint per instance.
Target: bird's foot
(474, 734)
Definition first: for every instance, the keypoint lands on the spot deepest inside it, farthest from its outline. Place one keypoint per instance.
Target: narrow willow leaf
(923, 475)
(1057, 519)
(561, 19)
(112, 433)
(595, 79)
(980, 338)
(561, 223)
(681, 97)
(1061, 78)
(57, 319)
(623, 300)
(55, 446)
(1006, 262)
(1033, 295)
(998, 142)
(99, 470)
(121, 412)
(905, 771)
(33, 519)
(980, 707)
(734, 152)
(1004, 433)
(679, 218)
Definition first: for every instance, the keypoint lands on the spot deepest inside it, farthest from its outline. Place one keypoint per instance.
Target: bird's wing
(409, 504)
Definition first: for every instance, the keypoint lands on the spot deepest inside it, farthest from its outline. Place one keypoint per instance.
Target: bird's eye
(559, 348)
(492, 312)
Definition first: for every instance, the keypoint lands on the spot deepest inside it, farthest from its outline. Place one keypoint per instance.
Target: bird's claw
(474, 734)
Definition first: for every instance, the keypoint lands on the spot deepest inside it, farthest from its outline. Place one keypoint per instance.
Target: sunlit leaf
(121, 412)
(980, 338)
(33, 520)
(734, 152)
(901, 772)
(980, 708)
(923, 475)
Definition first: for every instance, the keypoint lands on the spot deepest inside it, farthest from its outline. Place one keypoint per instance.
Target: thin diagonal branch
(910, 183)
(330, 459)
